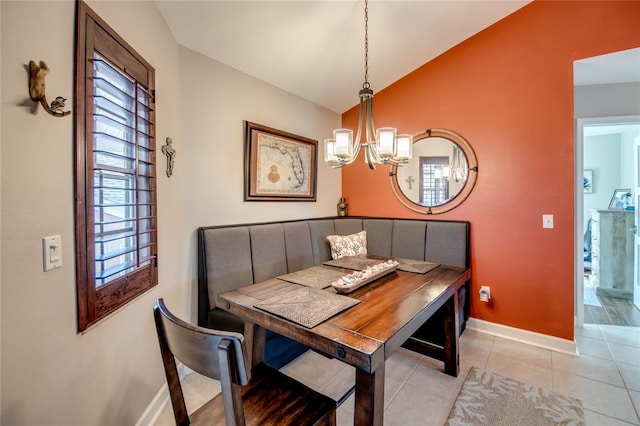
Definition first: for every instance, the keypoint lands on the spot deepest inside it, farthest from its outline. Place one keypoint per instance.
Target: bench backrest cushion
(347, 226)
(319, 230)
(297, 238)
(408, 239)
(268, 253)
(379, 236)
(228, 260)
(447, 243)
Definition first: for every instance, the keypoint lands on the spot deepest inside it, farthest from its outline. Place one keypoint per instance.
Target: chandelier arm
(377, 158)
(352, 158)
(369, 121)
(372, 126)
(356, 151)
(370, 156)
(356, 141)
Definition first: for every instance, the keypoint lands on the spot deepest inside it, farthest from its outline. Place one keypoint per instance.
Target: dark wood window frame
(98, 298)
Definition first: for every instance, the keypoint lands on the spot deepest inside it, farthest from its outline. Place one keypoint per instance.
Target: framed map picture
(279, 166)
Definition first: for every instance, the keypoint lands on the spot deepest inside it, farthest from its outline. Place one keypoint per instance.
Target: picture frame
(617, 200)
(587, 181)
(279, 166)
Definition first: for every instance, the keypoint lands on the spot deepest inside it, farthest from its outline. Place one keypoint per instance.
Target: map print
(283, 166)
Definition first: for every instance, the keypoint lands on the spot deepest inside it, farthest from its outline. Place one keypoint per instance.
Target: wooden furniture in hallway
(612, 252)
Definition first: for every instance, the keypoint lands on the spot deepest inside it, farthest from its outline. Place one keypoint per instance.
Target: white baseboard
(524, 336)
(161, 399)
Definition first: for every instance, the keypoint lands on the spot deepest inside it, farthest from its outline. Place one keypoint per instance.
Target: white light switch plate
(547, 221)
(52, 252)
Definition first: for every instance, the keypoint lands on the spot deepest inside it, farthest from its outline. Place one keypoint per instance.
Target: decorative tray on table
(357, 279)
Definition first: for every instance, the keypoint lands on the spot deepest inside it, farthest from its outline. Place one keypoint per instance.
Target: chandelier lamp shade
(381, 146)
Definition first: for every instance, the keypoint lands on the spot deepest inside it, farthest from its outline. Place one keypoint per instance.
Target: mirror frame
(454, 202)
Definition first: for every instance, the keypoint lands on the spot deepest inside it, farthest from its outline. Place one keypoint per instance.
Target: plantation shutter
(116, 219)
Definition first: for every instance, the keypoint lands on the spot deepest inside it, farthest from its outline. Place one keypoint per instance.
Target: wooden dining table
(390, 310)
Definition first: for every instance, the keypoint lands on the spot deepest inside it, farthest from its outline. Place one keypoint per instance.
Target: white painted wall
(602, 154)
(216, 100)
(607, 100)
(109, 375)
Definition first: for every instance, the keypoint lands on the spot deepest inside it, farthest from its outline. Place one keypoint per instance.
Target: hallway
(608, 310)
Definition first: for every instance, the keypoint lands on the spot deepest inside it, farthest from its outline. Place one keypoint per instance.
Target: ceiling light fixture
(386, 148)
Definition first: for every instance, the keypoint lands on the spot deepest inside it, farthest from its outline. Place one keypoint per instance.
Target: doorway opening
(607, 94)
(609, 221)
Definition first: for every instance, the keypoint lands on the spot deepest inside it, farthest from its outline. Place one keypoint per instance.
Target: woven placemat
(352, 262)
(416, 266)
(307, 306)
(316, 277)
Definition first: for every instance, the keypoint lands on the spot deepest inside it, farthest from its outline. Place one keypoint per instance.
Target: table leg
(369, 407)
(254, 338)
(451, 336)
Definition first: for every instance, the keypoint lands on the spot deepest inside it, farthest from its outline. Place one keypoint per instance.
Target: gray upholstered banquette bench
(234, 256)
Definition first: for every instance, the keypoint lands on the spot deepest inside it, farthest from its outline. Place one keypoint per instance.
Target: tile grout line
(626, 388)
(404, 382)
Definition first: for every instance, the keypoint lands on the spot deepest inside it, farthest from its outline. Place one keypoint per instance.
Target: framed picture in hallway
(619, 198)
(587, 181)
(279, 166)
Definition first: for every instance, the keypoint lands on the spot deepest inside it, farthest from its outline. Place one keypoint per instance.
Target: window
(116, 218)
(434, 186)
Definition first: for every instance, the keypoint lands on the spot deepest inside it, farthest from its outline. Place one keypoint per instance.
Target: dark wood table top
(391, 309)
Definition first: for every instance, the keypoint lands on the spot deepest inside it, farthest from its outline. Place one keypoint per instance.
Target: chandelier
(382, 146)
(457, 171)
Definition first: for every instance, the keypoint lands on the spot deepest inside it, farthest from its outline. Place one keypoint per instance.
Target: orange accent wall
(509, 91)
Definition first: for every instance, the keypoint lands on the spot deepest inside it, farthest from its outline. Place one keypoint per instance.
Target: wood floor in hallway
(613, 311)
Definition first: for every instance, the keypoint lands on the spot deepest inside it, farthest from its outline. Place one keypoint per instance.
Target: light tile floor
(605, 376)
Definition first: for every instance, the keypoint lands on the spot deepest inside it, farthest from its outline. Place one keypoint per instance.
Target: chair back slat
(197, 347)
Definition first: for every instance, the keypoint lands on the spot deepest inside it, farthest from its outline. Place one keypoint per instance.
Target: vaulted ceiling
(315, 49)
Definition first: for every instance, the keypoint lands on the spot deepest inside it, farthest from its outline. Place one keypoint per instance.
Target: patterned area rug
(493, 400)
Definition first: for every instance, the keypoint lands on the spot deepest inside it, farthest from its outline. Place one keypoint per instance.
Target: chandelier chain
(366, 84)
(380, 146)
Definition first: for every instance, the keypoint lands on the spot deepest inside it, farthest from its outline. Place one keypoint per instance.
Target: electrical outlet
(547, 221)
(485, 293)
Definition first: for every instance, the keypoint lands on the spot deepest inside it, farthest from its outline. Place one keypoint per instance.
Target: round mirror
(439, 176)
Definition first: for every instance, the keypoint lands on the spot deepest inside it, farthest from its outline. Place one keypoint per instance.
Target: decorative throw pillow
(348, 245)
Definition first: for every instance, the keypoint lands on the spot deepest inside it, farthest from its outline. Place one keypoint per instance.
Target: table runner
(307, 306)
(361, 262)
(316, 277)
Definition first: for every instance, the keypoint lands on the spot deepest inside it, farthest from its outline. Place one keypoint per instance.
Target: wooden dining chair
(262, 396)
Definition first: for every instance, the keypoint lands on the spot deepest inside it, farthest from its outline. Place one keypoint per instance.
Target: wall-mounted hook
(36, 90)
